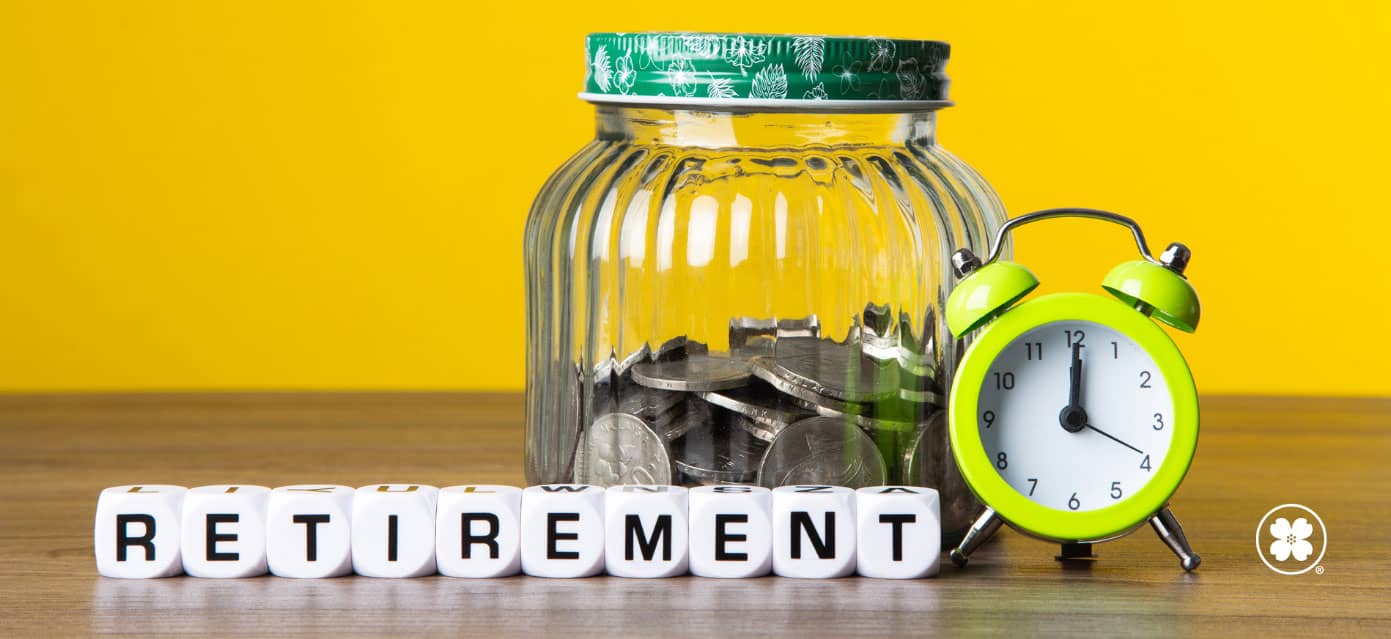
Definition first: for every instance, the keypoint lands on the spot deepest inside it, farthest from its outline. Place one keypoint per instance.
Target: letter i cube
(308, 531)
(394, 530)
(731, 531)
(646, 531)
(136, 534)
(563, 530)
(813, 531)
(477, 531)
(224, 531)
(900, 532)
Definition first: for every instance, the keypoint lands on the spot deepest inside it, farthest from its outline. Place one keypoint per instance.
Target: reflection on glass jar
(738, 286)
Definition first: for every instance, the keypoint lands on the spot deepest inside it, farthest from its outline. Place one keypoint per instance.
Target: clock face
(1075, 449)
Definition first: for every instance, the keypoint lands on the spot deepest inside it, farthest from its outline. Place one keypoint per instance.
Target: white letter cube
(813, 531)
(136, 534)
(308, 531)
(900, 532)
(646, 531)
(563, 530)
(731, 533)
(394, 530)
(224, 531)
(478, 531)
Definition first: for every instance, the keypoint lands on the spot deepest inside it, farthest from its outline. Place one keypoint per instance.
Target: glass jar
(739, 280)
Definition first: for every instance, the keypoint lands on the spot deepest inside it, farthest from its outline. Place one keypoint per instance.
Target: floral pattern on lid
(700, 68)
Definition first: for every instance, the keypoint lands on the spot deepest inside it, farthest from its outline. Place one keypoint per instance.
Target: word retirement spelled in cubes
(556, 530)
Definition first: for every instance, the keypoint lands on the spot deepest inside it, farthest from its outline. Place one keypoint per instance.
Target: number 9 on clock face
(1082, 450)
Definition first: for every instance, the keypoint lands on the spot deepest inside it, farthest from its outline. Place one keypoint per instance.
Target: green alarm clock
(1073, 416)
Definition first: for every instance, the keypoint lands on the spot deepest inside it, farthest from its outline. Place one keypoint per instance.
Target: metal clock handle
(1175, 257)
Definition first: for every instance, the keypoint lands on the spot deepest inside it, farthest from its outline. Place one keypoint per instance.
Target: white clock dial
(1110, 448)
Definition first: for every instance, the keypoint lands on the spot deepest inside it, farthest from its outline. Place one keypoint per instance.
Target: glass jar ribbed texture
(749, 297)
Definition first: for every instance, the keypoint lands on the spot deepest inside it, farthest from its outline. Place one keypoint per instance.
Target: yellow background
(330, 195)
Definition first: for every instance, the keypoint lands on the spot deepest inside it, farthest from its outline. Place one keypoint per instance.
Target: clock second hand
(1113, 438)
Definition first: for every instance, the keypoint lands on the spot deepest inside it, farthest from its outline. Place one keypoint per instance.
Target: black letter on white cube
(634, 532)
(123, 538)
(488, 539)
(723, 536)
(311, 534)
(213, 536)
(553, 535)
(825, 547)
(897, 522)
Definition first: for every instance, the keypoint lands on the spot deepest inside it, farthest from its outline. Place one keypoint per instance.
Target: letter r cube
(478, 531)
(136, 533)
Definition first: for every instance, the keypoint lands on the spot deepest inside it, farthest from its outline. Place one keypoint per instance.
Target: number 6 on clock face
(1074, 417)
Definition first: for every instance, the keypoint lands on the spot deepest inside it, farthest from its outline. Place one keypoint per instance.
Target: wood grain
(59, 451)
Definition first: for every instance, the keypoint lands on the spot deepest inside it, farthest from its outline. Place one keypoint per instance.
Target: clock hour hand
(1073, 418)
(1113, 438)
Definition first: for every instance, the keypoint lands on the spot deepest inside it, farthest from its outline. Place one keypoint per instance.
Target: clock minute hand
(1114, 439)
(1073, 418)
(1074, 391)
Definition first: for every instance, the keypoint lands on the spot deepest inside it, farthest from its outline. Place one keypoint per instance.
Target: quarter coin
(692, 374)
(834, 370)
(822, 450)
(621, 449)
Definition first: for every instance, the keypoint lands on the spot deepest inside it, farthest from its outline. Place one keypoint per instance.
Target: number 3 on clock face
(1082, 417)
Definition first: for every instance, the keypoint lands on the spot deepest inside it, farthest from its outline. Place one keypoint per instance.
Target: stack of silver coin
(785, 405)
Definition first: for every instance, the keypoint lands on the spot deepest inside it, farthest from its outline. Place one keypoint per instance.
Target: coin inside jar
(719, 453)
(626, 364)
(822, 450)
(765, 369)
(622, 449)
(834, 370)
(680, 419)
(766, 411)
(646, 403)
(694, 373)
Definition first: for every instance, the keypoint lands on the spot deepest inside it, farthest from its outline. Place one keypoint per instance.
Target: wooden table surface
(59, 451)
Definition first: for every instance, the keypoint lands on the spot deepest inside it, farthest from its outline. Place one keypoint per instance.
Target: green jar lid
(753, 70)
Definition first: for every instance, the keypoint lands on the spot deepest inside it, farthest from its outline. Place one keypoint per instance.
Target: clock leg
(980, 531)
(1172, 533)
